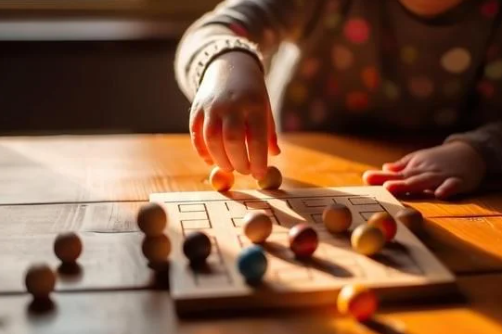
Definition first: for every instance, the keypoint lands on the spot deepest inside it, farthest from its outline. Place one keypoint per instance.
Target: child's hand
(231, 110)
(447, 170)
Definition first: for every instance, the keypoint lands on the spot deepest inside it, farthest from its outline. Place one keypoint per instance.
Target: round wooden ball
(337, 218)
(197, 247)
(40, 280)
(152, 219)
(367, 240)
(252, 264)
(221, 180)
(68, 247)
(272, 179)
(257, 227)
(357, 301)
(156, 249)
(385, 222)
(411, 218)
(303, 240)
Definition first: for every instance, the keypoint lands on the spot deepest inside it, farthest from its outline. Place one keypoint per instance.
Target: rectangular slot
(318, 202)
(199, 207)
(362, 200)
(196, 224)
(257, 205)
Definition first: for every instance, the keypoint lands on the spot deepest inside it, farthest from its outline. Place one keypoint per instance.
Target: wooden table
(96, 183)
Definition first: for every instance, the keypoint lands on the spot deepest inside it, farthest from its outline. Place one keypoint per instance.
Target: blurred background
(92, 66)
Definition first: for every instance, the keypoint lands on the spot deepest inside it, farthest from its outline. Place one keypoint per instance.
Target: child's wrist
(217, 49)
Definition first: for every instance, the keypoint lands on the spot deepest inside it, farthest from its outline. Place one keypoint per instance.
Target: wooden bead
(197, 247)
(252, 264)
(357, 301)
(156, 249)
(303, 240)
(272, 179)
(152, 219)
(411, 218)
(40, 280)
(367, 240)
(68, 247)
(257, 227)
(221, 180)
(385, 222)
(337, 218)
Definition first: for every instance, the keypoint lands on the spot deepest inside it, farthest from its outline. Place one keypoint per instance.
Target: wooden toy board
(404, 269)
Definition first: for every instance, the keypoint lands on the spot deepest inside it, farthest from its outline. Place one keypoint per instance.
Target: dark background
(101, 66)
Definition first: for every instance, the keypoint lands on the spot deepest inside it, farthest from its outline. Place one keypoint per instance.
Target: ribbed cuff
(484, 145)
(215, 49)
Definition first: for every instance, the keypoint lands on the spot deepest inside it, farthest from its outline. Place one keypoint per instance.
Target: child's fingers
(273, 146)
(197, 137)
(234, 140)
(214, 141)
(257, 144)
(399, 165)
(377, 177)
(415, 184)
(449, 187)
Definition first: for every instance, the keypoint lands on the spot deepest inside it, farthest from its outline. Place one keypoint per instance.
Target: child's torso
(374, 64)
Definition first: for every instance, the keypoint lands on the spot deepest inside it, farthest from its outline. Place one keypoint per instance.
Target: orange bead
(156, 249)
(357, 301)
(152, 219)
(40, 280)
(303, 240)
(221, 180)
(68, 247)
(272, 179)
(385, 223)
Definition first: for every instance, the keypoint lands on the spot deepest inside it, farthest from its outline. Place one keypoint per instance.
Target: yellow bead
(257, 227)
(385, 223)
(272, 179)
(40, 280)
(337, 218)
(68, 247)
(367, 240)
(357, 301)
(221, 180)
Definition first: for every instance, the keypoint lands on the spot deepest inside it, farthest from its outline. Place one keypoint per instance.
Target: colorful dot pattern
(362, 66)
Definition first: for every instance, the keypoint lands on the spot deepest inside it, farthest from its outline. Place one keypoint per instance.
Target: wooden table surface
(94, 184)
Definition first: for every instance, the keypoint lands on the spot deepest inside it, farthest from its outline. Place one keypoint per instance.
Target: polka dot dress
(391, 67)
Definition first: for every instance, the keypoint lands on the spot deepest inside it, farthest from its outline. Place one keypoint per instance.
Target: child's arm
(465, 159)
(219, 67)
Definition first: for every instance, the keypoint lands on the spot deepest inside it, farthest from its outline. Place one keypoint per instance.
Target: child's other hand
(231, 122)
(446, 170)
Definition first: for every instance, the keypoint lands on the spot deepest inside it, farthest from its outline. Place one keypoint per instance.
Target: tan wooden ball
(337, 218)
(257, 227)
(272, 179)
(221, 180)
(152, 219)
(68, 247)
(411, 218)
(156, 249)
(40, 280)
(367, 240)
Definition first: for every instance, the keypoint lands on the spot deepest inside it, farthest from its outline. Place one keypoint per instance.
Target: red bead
(303, 240)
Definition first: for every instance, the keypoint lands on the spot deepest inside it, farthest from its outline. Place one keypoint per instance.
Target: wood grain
(131, 312)
(78, 169)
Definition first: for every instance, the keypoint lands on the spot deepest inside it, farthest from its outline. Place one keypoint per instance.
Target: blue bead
(252, 263)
